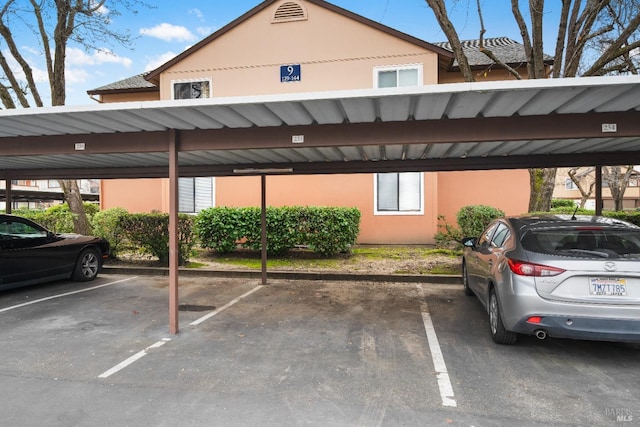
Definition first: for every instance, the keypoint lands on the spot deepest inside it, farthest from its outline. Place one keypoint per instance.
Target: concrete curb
(286, 275)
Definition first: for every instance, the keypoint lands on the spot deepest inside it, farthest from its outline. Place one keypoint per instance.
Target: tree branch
(615, 49)
(6, 98)
(449, 30)
(24, 65)
(524, 32)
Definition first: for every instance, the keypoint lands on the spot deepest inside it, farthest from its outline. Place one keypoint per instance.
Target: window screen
(195, 194)
(398, 77)
(399, 192)
(191, 90)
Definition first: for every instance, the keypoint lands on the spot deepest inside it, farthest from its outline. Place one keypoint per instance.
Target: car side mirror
(469, 242)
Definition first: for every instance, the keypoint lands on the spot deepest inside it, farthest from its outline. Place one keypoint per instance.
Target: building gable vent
(289, 11)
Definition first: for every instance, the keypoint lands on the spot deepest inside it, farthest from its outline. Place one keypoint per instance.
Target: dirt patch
(363, 259)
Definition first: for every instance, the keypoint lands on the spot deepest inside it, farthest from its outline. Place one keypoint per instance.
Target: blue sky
(173, 26)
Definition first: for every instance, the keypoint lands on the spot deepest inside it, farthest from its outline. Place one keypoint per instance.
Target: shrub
(475, 218)
(107, 224)
(573, 210)
(283, 231)
(58, 218)
(150, 232)
(331, 230)
(447, 236)
(221, 228)
(562, 203)
(629, 216)
(325, 230)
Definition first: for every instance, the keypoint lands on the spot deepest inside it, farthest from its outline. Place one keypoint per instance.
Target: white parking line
(13, 307)
(224, 307)
(120, 366)
(444, 383)
(133, 358)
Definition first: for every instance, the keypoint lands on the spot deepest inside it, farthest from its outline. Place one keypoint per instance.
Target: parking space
(292, 353)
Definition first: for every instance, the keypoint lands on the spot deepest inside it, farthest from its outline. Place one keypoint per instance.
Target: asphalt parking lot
(289, 354)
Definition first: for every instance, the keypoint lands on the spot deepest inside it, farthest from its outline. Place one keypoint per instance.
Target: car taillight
(522, 268)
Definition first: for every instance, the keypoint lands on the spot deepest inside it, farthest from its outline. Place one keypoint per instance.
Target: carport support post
(7, 196)
(599, 203)
(263, 221)
(173, 232)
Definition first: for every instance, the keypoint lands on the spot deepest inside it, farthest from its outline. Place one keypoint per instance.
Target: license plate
(608, 286)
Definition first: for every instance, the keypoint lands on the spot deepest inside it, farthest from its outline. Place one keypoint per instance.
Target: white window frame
(195, 198)
(399, 212)
(569, 184)
(174, 82)
(377, 70)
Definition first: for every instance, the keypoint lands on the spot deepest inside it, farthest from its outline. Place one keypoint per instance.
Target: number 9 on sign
(290, 73)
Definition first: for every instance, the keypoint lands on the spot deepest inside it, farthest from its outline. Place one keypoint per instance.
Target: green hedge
(473, 219)
(58, 218)
(150, 233)
(326, 230)
(630, 216)
(107, 224)
(562, 203)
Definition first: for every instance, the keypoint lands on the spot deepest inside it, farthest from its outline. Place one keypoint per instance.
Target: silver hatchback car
(557, 276)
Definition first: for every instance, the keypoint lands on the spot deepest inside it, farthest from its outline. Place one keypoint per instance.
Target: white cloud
(168, 32)
(157, 61)
(79, 57)
(204, 31)
(32, 50)
(103, 10)
(108, 57)
(75, 76)
(198, 13)
(39, 74)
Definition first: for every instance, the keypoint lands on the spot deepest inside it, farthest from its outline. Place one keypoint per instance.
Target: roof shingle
(506, 50)
(134, 83)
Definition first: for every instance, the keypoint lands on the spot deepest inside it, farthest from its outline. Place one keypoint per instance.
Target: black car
(31, 254)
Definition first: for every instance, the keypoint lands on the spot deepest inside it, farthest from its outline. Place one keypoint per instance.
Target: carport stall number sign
(290, 73)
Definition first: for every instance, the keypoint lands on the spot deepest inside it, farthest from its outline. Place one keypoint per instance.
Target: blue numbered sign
(290, 73)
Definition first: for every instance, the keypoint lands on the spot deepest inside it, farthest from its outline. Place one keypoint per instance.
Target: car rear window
(598, 242)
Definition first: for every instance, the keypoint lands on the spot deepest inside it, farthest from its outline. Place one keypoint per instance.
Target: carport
(464, 126)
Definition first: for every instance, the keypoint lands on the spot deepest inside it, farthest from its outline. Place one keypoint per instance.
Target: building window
(569, 184)
(399, 193)
(398, 76)
(196, 194)
(195, 89)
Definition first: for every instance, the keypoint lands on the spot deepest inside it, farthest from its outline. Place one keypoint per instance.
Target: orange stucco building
(306, 46)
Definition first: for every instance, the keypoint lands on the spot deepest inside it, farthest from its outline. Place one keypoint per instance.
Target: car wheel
(87, 267)
(498, 333)
(465, 280)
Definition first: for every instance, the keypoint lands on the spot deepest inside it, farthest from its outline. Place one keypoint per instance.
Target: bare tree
(55, 23)
(617, 178)
(594, 37)
(584, 182)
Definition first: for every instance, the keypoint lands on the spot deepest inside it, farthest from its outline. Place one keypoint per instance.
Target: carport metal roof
(515, 124)
(493, 125)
